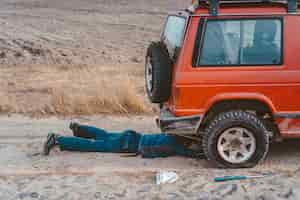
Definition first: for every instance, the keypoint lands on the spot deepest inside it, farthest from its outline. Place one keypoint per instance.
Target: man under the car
(92, 139)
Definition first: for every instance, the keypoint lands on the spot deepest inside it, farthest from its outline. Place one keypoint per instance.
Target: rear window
(241, 42)
(173, 33)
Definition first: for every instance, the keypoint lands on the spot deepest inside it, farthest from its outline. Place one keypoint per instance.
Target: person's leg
(70, 143)
(66, 143)
(127, 141)
(88, 132)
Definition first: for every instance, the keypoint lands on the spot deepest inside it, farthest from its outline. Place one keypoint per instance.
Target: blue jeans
(101, 141)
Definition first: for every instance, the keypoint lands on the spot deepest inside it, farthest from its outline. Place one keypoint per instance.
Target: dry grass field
(40, 90)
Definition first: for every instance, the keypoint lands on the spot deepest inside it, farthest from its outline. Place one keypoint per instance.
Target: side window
(174, 33)
(241, 42)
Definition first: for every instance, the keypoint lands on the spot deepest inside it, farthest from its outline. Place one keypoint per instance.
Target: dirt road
(26, 174)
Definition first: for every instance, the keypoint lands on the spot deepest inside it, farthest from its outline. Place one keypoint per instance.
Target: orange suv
(227, 74)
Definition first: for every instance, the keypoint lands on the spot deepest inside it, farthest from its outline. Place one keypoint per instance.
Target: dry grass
(76, 90)
(105, 97)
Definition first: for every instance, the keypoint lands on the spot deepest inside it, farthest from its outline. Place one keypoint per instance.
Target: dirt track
(26, 174)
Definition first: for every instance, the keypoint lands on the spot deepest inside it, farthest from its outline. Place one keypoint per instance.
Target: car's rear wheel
(236, 139)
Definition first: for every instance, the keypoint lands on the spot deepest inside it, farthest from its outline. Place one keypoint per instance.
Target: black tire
(232, 119)
(160, 87)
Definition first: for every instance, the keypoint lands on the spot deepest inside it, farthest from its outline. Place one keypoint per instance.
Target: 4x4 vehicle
(228, 73)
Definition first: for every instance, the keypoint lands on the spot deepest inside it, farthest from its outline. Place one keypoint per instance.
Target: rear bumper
(187, 125)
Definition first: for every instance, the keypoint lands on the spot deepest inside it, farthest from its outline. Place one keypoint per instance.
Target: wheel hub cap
(149, 75)
(236, 145)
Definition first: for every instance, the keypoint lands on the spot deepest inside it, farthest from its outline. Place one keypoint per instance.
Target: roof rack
(214, 5)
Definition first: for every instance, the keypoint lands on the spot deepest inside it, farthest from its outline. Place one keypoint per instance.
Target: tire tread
(218, 122)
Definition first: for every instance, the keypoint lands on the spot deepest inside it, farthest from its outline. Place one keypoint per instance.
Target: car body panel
(196, 89)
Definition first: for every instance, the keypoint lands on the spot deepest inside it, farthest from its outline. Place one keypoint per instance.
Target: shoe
(49, 144)
(74, 126)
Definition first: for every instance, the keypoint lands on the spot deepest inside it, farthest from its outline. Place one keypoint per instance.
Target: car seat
(264, 50)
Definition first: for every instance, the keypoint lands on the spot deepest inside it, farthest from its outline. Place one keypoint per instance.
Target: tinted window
(173, 33)
(242, 42)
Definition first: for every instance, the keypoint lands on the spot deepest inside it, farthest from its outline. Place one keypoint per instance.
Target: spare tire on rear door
(158, 73)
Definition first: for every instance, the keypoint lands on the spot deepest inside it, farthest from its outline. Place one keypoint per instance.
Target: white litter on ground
(163, 177)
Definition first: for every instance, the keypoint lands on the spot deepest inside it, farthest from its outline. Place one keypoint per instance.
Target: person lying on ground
(92, 139)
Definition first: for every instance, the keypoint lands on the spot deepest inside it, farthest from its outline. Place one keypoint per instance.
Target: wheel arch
(240, 101)
(240, 97)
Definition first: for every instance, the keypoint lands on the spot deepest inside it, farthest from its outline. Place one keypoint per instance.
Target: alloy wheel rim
(149, 75)
(236, 145)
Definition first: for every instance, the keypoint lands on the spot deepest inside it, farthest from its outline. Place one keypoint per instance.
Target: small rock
(121, 195)
(267, 195)
(173, 195)
(225, 190)
(2, 55)
(34, 154)
(109, 196)
(63, 54)
(204, 196)
(10, 83)
(97, 195)
(135, 60)
(34, 195)
(22, 195)
(286, 194)
(18, 54)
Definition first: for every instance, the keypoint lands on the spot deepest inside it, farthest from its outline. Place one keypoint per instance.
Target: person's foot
(49, 144)
(74, 126)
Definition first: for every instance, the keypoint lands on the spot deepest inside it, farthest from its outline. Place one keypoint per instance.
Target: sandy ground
(26, 174)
